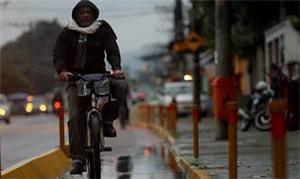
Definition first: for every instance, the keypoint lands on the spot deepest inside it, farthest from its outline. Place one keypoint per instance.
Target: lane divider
(50, 164)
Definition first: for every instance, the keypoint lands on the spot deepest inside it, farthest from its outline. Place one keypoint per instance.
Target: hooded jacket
(101, 42)
(85, 3)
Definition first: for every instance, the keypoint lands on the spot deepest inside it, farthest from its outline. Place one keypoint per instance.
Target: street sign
(194, 41)
(180, 46)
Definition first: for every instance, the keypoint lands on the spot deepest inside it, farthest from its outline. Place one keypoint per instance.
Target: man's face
(85, 16)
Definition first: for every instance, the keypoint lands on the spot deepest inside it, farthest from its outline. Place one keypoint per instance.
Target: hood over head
(85, 3)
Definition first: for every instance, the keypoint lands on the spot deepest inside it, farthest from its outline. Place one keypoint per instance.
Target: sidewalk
(254, 152)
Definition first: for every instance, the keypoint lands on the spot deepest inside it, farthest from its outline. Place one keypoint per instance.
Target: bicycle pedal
(107, 149)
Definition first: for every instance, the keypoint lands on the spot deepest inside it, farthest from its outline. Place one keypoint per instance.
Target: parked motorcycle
(256, 111)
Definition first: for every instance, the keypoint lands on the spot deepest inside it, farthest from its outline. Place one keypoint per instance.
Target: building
(282, 44)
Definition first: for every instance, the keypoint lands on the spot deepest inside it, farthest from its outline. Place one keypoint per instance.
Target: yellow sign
(180, 47)
(194, 41)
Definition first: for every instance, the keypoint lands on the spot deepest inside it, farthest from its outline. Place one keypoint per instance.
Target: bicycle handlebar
(76, 77)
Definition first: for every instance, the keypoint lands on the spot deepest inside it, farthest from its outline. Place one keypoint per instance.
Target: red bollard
(61, 117)
(172, 114)
(140, 112)
(148, 108)
(161, 115)
(195, 114)
(232, 131)
(278, 123)
(152, 114)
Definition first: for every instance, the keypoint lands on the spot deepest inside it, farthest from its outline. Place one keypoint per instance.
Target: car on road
(37, 104)
(182, 92)
(4, 109)
(18, 101)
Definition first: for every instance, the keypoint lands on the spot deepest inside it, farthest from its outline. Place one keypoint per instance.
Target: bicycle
(97, 87)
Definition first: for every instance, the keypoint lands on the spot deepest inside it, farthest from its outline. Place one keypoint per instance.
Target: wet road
(135, 155)
(27, 136)
(135, 152)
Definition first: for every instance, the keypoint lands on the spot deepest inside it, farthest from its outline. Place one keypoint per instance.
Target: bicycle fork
(94, 110)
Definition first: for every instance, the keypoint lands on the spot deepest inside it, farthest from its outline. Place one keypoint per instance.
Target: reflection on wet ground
(124, 167)
(144, 163)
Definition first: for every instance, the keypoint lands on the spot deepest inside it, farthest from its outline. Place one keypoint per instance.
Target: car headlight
(2, 112)
(43, 108)
(29, 107)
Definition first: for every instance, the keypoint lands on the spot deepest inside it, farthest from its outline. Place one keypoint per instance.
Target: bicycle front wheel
(95, 127)
(94, 165)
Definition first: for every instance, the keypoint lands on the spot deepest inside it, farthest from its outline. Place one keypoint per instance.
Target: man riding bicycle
(81, 48)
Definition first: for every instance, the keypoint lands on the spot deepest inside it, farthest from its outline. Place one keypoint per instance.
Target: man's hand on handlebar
(119, 74)
(64, 75)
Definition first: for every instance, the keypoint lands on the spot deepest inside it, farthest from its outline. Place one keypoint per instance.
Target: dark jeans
(77, 116)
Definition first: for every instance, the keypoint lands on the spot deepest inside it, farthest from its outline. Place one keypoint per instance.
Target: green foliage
(295, 23)
(12, 80)
(249, 20)
(205, 22)
(30, 58)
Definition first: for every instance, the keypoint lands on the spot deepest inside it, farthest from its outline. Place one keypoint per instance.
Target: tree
(249, 20)
(12, 80)
(31, 56)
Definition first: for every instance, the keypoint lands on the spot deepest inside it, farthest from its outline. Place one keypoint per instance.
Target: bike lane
(135, 155)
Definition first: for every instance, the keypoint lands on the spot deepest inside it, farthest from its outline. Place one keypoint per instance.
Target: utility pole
(178, 21)
(179, 34)
(196, 87)
(223, 54)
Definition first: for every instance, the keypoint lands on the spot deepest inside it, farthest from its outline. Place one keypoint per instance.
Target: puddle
(144, 163)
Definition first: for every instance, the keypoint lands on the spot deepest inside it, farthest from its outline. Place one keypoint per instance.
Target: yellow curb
(173, 161)
(50, 164)
(191, 172)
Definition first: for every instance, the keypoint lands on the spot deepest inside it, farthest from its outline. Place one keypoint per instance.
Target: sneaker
(77, 167)
(109, 130)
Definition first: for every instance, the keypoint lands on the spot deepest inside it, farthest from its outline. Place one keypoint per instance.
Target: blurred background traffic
(149, 35)
(156, 40)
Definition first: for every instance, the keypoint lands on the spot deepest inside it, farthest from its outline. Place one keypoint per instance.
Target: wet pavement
(254, 151)
(135, 155)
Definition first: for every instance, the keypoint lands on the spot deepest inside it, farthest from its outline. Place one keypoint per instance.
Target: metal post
(232, 129)
(161, 115)
(278, 109)
(196, 103)
(162, 151)
(140, 112)
(196, 87)
(152, 114)
(61, 116)
(148, 114)
(195, 114)
(172, 115)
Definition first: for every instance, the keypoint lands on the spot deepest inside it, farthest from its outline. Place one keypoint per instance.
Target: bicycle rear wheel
(96, 138)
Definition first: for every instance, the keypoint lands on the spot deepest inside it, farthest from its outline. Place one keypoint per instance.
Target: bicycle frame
(95, 138)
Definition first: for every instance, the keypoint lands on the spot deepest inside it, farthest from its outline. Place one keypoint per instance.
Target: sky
(137, 23)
